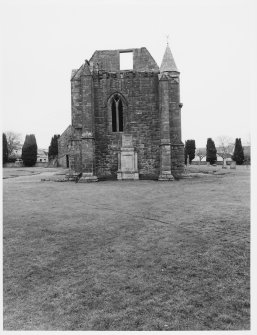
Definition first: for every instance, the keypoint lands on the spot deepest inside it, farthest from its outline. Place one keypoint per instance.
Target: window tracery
(117, 113)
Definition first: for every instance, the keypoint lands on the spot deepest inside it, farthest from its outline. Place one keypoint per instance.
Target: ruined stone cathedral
(126, 123)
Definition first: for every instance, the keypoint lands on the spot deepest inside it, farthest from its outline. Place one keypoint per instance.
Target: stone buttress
(74, 135)
(88, 127)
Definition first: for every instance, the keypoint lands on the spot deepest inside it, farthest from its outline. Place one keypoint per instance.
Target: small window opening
(126, 60)
(117, 114)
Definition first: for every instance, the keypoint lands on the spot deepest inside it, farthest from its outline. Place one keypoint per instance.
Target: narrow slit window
(120, 116)
(126, 61)
(114, 124)
(117, 114)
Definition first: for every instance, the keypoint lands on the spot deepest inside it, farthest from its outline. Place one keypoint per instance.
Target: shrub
(5, 149)
(53, 148)
(211, 152)
(29, 151)
(238, 155)
(189, 150)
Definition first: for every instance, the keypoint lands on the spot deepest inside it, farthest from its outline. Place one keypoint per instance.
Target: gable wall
(141, 120)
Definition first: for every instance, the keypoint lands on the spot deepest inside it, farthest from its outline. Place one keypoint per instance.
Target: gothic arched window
(117, 113)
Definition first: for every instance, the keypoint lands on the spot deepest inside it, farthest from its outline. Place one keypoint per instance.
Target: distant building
(42, 156)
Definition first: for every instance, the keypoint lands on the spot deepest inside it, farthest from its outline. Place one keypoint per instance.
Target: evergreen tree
(238, 155)
(5, 149)
(211, 152)
(53, 148)
(185, 152)
(190, 150)
(29, 150)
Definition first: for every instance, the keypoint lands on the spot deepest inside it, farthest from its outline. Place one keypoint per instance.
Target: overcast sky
(211, 41)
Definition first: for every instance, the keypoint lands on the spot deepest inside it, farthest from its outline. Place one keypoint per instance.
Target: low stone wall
(205, 163)
(41, 164)
(13, 165)
(20, 164)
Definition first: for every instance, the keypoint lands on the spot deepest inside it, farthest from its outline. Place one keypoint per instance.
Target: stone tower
(126, 123)
(171, 146)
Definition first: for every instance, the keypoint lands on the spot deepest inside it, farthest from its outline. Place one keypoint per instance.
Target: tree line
(211, 151)
(11, 143)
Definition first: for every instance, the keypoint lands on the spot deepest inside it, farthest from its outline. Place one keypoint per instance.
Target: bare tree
(246, 141)
(225, 147)
(200, 153)
(13, 142)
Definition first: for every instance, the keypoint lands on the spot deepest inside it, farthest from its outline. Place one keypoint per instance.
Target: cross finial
(167, 38)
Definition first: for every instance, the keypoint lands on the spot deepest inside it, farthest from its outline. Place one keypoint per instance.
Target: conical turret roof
(168, 63)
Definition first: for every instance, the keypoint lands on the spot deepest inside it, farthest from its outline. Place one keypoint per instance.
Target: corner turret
(168, 63)
(171, 147)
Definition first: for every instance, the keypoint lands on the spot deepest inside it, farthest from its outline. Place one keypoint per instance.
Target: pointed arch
(116, 107)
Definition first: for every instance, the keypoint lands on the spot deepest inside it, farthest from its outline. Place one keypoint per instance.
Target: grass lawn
(115, 255)
(26, 171)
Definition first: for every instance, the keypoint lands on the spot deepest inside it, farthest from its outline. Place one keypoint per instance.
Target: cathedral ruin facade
(126, 123)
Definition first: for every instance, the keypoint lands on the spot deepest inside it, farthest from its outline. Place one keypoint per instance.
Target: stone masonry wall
(141, 120)
(109, 60)
(76, 100)
(63, 142)
(143, 61)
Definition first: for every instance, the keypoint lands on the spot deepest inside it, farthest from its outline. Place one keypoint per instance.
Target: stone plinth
(71, 176)
(87, 178)
(127, 160)
(166, 176)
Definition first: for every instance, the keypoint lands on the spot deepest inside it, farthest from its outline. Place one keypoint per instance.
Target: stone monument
(127, 160)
